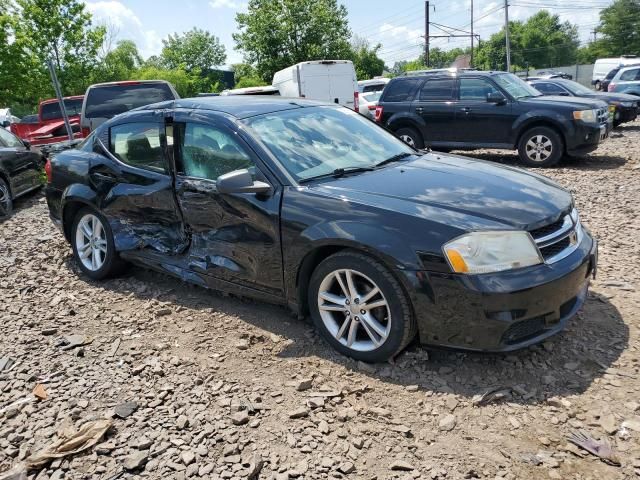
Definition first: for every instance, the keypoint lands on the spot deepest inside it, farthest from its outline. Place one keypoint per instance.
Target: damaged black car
(317, 208)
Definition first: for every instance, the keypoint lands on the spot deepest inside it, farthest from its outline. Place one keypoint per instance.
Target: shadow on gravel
(24, 202)
(586, 163)
(564, 365)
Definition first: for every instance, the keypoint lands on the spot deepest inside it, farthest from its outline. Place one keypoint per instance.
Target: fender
(75, 193)
(401, 119)
(550, 117)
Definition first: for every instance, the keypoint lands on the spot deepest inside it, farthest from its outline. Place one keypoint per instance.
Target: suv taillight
(356, 102)
(378, 114)
(611, 87)
(47, 170)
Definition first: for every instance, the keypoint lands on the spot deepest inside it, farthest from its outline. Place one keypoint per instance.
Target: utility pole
(595, 33)
(426, 33)
(471, 61)
(506, 33)
(56, 87)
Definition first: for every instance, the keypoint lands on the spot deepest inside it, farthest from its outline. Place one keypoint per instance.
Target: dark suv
(472, 109)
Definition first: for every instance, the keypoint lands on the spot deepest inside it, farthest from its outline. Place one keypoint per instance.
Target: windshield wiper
(395, 158)
(338, 172)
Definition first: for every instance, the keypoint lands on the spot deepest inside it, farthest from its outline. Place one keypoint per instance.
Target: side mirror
(5, 123)
(240, 181)
(497, 98)
(27, 144)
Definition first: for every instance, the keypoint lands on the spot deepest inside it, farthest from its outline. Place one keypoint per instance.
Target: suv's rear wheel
(410, 136)
(540, 147)
(360, 308)
(597, 85)
(93, 246)
(6, 204)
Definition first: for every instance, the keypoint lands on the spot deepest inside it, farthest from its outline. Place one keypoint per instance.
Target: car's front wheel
(540, 147)
(6, 204)
(411, 137)
(93, 246)
(360, 307)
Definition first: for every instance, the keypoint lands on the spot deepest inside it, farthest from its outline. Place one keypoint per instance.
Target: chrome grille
(558, 239)
(603, 115)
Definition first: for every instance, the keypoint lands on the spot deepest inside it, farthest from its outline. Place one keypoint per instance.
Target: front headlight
(626, 104)
(589, 116)
(485, 252)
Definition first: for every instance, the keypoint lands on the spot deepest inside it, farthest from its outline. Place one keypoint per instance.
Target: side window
(476, 89)
(139, 145)
(437, 89)
(8, 139)
(633, 74)
(208, 152)
(400, 90)
(549, 88)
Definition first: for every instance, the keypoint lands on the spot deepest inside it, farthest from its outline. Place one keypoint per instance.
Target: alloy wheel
(408, 140)
(91, 242)
(539, 148)
(354, 310)
(5, 200)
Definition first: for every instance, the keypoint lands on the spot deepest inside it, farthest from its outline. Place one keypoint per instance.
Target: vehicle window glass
(548, 88)
(476, 89)
(109, 101)
(400, 90)
(630, 74)
(318, 140)
(612, 73)
(51, 111)
(138, 145)
(208, 152)
(9, 139)
(378, 87)
(516, 87)
(437, 89)
(575, 87)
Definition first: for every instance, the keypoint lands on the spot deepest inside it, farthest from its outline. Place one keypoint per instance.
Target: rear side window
(612, 73)
(549, 88)
(8, 139)
(437, 89)
(633, 74)
(111, 100)
(138, 145)
(51, 111)
(400, 90)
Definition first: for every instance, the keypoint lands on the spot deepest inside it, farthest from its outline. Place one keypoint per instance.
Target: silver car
(368, 103)
(627, 80)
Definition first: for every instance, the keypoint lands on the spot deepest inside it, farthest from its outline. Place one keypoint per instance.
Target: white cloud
(400, 32)
(113, 12)
(225, 4)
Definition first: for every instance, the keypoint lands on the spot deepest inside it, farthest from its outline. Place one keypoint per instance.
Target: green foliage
(120, 63)
(250, 82)
(620, 27)
(542, 41)
(274, 35)
(365, 59)
(194, 50)
(187, 84)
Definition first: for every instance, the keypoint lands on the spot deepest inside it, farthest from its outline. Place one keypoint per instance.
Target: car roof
(451, 72)
(73, 97)
(126, 82)
(239, 106)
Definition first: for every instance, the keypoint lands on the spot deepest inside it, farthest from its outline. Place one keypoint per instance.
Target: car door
(234, 237)
(479, 121)
(135, 188)
(21, 164)
(435, 102)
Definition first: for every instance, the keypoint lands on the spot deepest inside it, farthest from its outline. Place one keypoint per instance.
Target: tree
(194, 50)
(120, 63)
(365, 59)
(60, 30)
(620, 27)
(274, 35)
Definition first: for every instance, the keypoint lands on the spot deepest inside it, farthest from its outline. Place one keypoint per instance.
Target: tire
(391, 324)
(411, 137)
(103, 260)
(540, 147)
(6, 202)
(597, 85)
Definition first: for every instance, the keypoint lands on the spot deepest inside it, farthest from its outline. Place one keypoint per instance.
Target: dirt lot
(220, 387)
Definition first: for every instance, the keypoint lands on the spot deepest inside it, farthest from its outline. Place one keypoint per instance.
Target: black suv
(473, 109)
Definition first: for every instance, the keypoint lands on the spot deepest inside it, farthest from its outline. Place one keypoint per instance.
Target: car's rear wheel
(597, 85)
(411, 137)
(93, 245)
(360, 307)
(6, 203)
(540, 147)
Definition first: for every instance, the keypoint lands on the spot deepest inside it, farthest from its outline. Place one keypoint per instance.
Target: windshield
(315, 141)
(51, 111)
(515, 86)
(372, 96)
(576, 88)
(110, 100)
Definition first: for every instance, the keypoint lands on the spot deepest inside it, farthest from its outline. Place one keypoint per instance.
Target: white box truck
(604, 65)
(331, 81)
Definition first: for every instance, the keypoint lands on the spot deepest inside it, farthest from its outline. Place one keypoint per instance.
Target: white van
(605, 65)
(267, 90)
(332, 81)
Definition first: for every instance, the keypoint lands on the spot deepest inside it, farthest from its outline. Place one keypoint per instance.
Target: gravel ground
(198, 384)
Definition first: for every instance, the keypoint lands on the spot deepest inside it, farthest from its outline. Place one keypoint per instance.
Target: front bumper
(625, 114)
(586, 138)
(502, 311)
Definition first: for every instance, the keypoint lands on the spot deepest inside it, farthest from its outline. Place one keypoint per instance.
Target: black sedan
(282, 200)
(20, 170)
(625, 108)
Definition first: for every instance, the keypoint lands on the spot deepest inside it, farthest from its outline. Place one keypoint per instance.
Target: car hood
(459, 191)
(618, 97)
(573, 102)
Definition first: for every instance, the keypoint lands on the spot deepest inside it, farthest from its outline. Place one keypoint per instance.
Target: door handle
(104, 176)
(419, 109)
(465, 109)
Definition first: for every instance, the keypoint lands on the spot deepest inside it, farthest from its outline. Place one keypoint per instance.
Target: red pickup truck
(49, 127)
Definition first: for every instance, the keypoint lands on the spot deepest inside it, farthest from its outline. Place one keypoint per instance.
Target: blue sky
(397, 25)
